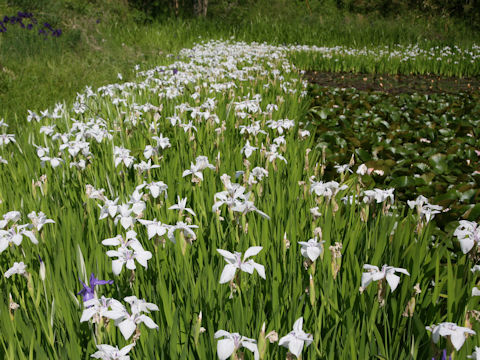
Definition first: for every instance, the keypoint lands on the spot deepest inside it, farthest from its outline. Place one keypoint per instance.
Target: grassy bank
(101, 39)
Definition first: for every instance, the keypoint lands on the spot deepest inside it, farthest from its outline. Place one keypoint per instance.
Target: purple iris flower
(175, 71)
(88, 292)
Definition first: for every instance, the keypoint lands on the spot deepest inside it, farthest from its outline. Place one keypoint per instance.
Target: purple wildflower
(88, 292)
(175, 71)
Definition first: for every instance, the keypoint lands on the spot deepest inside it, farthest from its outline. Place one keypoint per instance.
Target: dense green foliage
(425, 144)
(183, 279)
(102, 39)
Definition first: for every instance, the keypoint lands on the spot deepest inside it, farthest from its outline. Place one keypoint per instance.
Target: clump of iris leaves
(27, 21)
(426, 144)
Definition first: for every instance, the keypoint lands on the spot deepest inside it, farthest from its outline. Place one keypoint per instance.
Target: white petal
(221, 333)
(313, 252)
(254, 250)
(126, 222)
(457, 338)
(111, 242)
(31, 236)
(130, 264)
(297, 326)
(148, 322)
(126, 349)
(127, 327)
(227, 255)
(466, 245)
(252, 347)
(367, 278)
(393, 281)
(295, 346)
(117, 266)
(247, 267)
(87, 314)
(402, 270)
(260, 269)
(114, 314)
(228, 273)
(284, 341)
(225, 348)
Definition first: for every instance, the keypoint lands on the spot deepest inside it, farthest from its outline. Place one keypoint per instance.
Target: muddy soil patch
(394, 84)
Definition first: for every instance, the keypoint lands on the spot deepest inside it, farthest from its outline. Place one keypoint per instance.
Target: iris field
(216, 206)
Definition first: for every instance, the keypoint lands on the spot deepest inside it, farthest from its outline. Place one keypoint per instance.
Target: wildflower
(311, 249)
(303, 134)
(156, 188)
(88, 291)
(13, 216)
(186, 230)
(468, 234)
(296, 338)
(232, 342)
(6, 139)
(39, 220)
(327, 189)
(248, 206)
(109, 208)
(15, 236)
(127, 255)
(140, 305)
(378, 195)
(143, 166)
(456, 334)
(54, 161)
(108, 352)
(280, 125)
(93, 193)
(362, 169)
(197, 168)
(126, 322)
(154, 227)
(96, 309)
(181, 205)
(259, 173)
(273, 154)
(17, 268)
(122, 155)
(341, 169)
(248, 149)
(387, 272)
(125, 216)
(163, 142)
(424, 208)
(234, 262)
